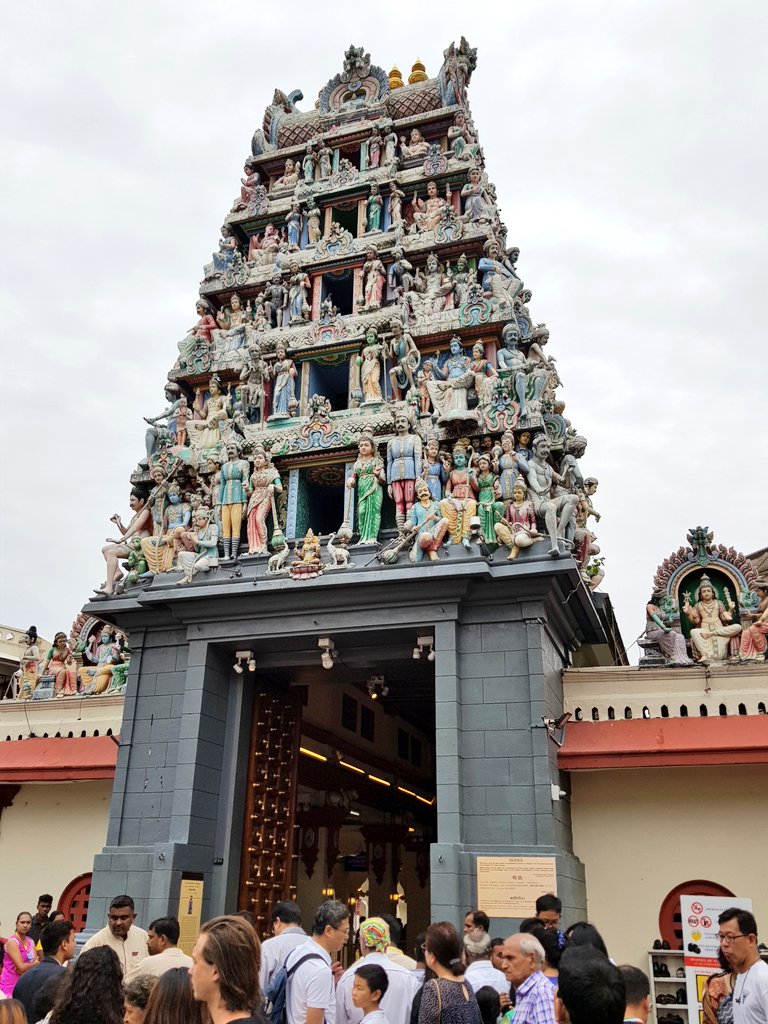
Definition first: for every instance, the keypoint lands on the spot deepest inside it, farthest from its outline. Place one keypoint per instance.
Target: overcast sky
(628, 145)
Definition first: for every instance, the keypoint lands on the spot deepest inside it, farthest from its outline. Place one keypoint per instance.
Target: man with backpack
(288, 933)
(303, 990)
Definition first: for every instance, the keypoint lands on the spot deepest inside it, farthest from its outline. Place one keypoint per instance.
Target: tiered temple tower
(361, 552)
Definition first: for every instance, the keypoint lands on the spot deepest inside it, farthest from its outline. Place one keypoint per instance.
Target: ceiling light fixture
(422, 642)
(329, 652)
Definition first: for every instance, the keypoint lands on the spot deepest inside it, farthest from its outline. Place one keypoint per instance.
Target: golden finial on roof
(418, 73)
(395, 78)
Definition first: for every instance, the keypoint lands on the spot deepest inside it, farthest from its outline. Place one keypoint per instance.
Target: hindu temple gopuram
(361, 550)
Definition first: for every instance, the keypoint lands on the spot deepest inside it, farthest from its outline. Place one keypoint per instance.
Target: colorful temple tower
(361, 553)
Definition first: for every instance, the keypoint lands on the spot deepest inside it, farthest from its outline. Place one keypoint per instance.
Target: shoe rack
(669, 998)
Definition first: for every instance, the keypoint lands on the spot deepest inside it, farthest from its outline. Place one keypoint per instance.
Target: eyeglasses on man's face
(725, 939)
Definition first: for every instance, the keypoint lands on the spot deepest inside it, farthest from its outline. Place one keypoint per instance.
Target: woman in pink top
(20, 955)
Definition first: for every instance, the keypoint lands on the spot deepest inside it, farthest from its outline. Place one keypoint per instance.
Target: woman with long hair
(448, 996)
(20, 955)
(584, 934)
(92, 992)
(172, 1001)
(12, 1012)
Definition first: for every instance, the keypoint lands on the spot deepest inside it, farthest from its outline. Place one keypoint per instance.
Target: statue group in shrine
(96, 665)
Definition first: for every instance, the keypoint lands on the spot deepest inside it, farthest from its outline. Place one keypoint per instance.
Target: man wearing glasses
(312, 971)
(121, 934)
(738, 941)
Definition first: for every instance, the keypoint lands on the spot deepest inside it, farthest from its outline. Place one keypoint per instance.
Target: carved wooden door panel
(270, 805)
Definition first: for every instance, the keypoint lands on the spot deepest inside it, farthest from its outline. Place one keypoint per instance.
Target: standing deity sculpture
(433, 470)
(395, 205)
(210, 414)
(404, 453)
(283, 371)
(233, 492)
(369, 362)
(670, 642)
(390, 147)
(298, 289)
(490, 508)
(160, 550)
(375, 143)
(153, 435)
(459, 506)
(374, 279)
(198, 336)
(324, 161)
(28, 673)
(368, 477)
(294, 220)
(308, 164)
(264, 484)
(505, 463)
(400, 274)
(252, 377)
(484, 374)
(373, 210)
(712, 623)
(517, 528)
(541, 478)
(405, 359)
(312, 213)
(477, 202)
(276, 302)
(228, 250)
(461, 276)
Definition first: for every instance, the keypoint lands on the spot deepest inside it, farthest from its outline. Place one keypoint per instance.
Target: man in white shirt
(738, 941)
(163, 949)
(480, 971)
(121, 934)
(311, 986)
(287, 934)
(396, 1001)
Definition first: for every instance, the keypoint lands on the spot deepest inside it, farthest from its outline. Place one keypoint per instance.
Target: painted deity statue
(416, 148)
(373, 210)
(59, 662)
(205, 554)
(428, 213)
(200, 334)
(484, 373)
(427, 525)
(405, 359)
(517, 528)
(462, 140)
(309, 164)
(276, 302)
(100, 675)
(325, 161)
(449, 393)
(434, 286)
(754, 639)
(375, 142)
(395, 205)
(289, 178)
(459, 505)
(298, 289)
(489, 506)
(248, 185)
(499, 280)
(206, 427)
(712, 623)
(312, 213)
(139, 526)
(369, 362)
(557, 511)
(461, 277)
(368, 477)
(513, 364)
(232, 325)
(233, 493)
(168, 416)
(160, 550)
(433, 469)
(390, 147)
(284, 373)
(670, 642)
(477, 202)
(264, 484)
(505, 463)
(294, 220)
(400, 274)
(374, 278)
(228, 249)
(29, 665)
(404, 458)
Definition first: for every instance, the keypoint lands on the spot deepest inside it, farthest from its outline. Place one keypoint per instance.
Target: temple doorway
(341, 780)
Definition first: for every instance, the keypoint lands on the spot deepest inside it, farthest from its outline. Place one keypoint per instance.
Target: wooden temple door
(266, 866)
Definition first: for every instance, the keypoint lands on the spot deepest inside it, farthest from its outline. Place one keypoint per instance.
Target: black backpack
(276, 992)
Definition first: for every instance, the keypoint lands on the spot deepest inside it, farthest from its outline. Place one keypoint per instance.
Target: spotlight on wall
(330, 654)
(422, 642)
(377, 687)
(244, 656)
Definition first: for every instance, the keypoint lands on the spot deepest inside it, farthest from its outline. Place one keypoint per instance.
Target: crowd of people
(539, 975)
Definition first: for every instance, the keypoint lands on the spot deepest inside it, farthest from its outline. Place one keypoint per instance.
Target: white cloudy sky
(627, 142)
